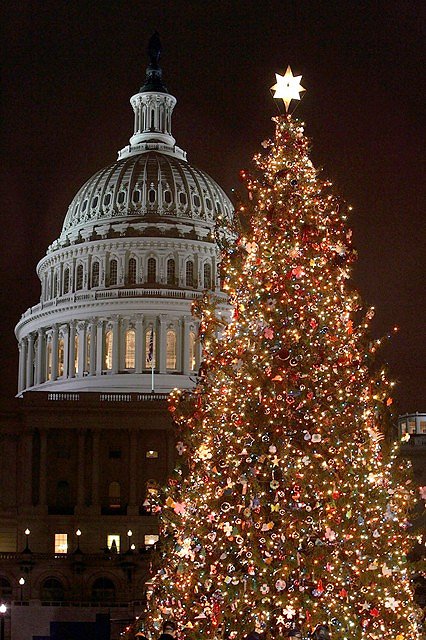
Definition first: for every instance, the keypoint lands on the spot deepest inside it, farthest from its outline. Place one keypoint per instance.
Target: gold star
(288, 87)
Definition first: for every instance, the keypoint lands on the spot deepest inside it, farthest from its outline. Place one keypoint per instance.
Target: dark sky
(70, 67)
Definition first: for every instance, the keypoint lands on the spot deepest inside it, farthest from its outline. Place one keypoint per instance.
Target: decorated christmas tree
(289, 510)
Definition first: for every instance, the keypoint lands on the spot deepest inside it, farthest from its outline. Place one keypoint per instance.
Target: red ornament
(374, 612)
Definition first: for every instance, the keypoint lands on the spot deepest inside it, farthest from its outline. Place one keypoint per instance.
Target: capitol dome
(136, 248)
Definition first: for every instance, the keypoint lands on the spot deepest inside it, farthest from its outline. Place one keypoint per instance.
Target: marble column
(161, 343)
(54, 374)
(99, 347)
(66, 339)
(71, 350)
(139, 344)
(115, 345)
(22, 364)
(30, 362)
(39, 357)
(92, 354)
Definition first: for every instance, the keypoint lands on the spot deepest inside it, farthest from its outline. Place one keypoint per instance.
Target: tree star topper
(288, 87)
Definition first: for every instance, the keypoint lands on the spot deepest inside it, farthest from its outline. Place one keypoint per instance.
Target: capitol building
(89, 436)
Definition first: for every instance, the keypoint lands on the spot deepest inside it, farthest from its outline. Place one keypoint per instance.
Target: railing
(90, 396)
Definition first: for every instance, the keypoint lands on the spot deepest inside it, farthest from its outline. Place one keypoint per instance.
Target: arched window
(66, 280)
(113, 269)
(79, 278)
(76, 353)
(171, 349)
(130, 343)
(171, 271)
(63, 497)
(150, 348)
(60, 357)
(152, 270)
(5, 590)
(192, 359)
(95, 274)
(114, 494)
(131, 273)
(189, 274)
(87, 353)
(108, 351)
(207, 276)
(49, 359)
(52, 590)
(152, 195)
(103, 590)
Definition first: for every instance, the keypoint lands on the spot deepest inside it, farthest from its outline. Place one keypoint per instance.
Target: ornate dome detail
(145, 187)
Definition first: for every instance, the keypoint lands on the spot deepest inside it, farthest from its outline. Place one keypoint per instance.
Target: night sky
(69, 69)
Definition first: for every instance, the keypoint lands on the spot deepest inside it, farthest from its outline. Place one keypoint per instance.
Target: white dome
(149, 187)
(136, 249)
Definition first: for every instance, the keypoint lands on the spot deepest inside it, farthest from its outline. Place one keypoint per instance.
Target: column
(139, 344)
(185, 345)
(39, 357)
(66, 337)
(55, 352)
(99, 347)
(22, 364)
(133, 507)
(92, 354)
(71, 351)
(30, 361)
(81, 355)
(161, 343)
(43, 467)
(81, 469)
(115, 345)
(95, 468)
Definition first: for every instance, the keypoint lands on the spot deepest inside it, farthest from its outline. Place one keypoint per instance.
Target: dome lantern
(153, 107)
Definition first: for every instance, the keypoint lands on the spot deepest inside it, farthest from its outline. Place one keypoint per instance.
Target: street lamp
(3, 610)
(78, 534)
(27, 534)
(21, 584)
(129, 535)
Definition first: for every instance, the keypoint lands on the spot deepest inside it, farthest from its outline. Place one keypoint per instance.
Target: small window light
(150, 539)
(61, 543)
(152, 454)
(113, 542)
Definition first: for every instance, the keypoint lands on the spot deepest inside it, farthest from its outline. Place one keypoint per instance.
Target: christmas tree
(289, 510)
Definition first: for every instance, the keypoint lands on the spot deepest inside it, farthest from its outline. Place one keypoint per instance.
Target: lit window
(60, 357)
(130, 349)
(113, 542)
(207, 273)
(95, 274)
(151, 454)
(150, 343)
(132, 271)
(79, 278)
(403, 427)
(171, 349)
(192, 363)
(150, 539)
(422, 426)
(108, 351)
(189, 273)
(61, 543)
(113, 272)
(171, 271)
(411, 426)
(152, 270)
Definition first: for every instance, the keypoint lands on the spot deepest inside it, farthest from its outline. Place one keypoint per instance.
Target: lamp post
(21, 585)
(78, 534)
(27, 534)
(129, 536)
(3, 610)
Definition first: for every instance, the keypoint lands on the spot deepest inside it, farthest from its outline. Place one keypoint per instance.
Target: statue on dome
(154, 49)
